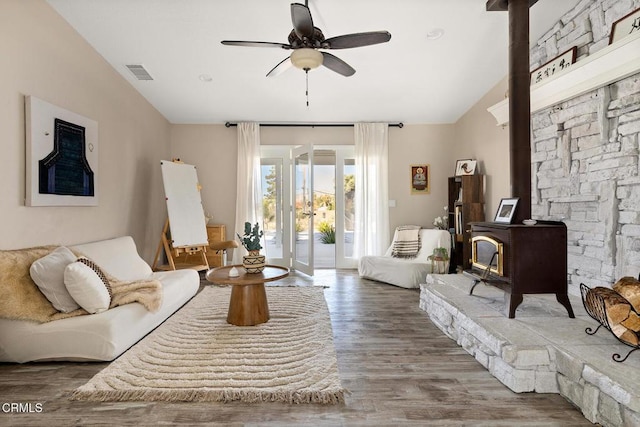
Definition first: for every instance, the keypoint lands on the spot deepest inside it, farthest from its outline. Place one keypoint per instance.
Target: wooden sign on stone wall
(625, 26)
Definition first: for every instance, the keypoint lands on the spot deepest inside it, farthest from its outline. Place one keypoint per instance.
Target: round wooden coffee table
(248, 305)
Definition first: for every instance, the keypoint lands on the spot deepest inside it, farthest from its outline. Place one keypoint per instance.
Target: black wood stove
(521, 259)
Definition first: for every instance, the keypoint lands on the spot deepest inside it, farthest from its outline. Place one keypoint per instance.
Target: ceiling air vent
(139, 72)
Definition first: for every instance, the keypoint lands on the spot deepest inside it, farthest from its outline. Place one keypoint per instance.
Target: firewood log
(616, 306)
(629, 287)
(632, 322)
(625, 334)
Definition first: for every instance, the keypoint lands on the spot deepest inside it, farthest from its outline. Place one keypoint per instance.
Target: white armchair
(405, 272)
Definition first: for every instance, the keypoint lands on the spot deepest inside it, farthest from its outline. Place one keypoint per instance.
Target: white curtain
(371, 236)
(249, 191)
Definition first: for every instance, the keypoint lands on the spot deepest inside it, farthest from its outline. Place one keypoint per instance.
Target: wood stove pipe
(519, 102)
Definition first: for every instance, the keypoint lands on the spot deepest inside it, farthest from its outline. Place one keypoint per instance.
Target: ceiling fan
(305, 39)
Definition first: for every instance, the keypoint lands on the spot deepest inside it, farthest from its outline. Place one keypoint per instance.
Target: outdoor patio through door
(308, 217)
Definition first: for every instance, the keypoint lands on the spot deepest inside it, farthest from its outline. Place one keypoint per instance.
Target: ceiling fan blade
(336, 64)
(282, 66)
(302, 21)
(357, 40)
(255, 44)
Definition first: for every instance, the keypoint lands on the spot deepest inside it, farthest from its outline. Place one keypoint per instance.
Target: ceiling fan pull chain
(306, 72)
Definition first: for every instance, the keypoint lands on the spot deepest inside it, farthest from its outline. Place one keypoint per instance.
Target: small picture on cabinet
(506, 210)
(465, 167)
(420, 179)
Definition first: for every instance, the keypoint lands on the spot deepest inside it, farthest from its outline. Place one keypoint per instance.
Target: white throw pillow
(88, 285)
(48, 274)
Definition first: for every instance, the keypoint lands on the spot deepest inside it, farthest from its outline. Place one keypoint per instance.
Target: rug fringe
(328, 397)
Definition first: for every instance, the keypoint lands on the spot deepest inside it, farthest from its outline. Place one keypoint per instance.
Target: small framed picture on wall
(420, 179)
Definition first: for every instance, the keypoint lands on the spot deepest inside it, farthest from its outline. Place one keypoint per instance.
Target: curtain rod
(313, 125)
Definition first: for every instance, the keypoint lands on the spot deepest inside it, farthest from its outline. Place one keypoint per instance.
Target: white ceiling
(410, 79)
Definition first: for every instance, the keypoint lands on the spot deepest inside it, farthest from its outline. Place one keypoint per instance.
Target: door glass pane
(324, 208)
(302, 205)
(349, 171)
(272, 206)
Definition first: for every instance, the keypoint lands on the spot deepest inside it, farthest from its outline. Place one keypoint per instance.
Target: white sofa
(403, 272)
(106, 335)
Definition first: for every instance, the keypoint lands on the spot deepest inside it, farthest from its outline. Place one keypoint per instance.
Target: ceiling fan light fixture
(306, 58)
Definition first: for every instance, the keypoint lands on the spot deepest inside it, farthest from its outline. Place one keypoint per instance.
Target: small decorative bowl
(529, 222)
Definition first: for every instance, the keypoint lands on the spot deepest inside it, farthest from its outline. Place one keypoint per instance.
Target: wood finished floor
(399, 368)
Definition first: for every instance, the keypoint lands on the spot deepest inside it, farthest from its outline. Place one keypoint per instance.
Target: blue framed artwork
(62, 156)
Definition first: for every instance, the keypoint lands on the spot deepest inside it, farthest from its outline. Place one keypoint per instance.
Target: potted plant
(254, 262)
(327, 233)
(439, 260)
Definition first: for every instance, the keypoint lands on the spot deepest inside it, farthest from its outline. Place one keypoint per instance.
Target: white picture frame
(470, 168)
(506, 210)
(43, 121)
(465, 167)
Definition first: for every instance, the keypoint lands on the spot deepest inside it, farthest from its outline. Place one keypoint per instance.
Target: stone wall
(585, 155)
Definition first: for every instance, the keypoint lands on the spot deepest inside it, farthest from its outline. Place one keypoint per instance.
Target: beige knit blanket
(20, 298)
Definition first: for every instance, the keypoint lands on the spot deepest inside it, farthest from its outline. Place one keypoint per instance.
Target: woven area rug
(197, 356)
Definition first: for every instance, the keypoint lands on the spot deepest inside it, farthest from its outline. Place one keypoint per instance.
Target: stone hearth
(542, 350)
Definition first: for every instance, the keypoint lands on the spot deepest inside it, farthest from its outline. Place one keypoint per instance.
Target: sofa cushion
(48, 274)
(88, 285)
(117, 257)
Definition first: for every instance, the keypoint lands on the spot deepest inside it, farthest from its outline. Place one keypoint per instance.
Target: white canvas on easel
(185, 231)
(184, 205)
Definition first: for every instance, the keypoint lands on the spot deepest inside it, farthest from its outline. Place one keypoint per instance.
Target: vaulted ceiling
(412, 78)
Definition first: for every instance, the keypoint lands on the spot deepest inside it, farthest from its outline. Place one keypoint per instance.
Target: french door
(297, 219)
(345, 206)
(303, 231)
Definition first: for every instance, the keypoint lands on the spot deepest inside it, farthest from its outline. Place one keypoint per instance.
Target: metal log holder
(595, 307)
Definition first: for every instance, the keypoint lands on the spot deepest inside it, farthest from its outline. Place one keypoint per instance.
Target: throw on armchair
(405, 272)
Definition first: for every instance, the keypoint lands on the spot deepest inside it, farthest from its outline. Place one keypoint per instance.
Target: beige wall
(478, 137)
(44, 57)
(418, 144)
(212, 149)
